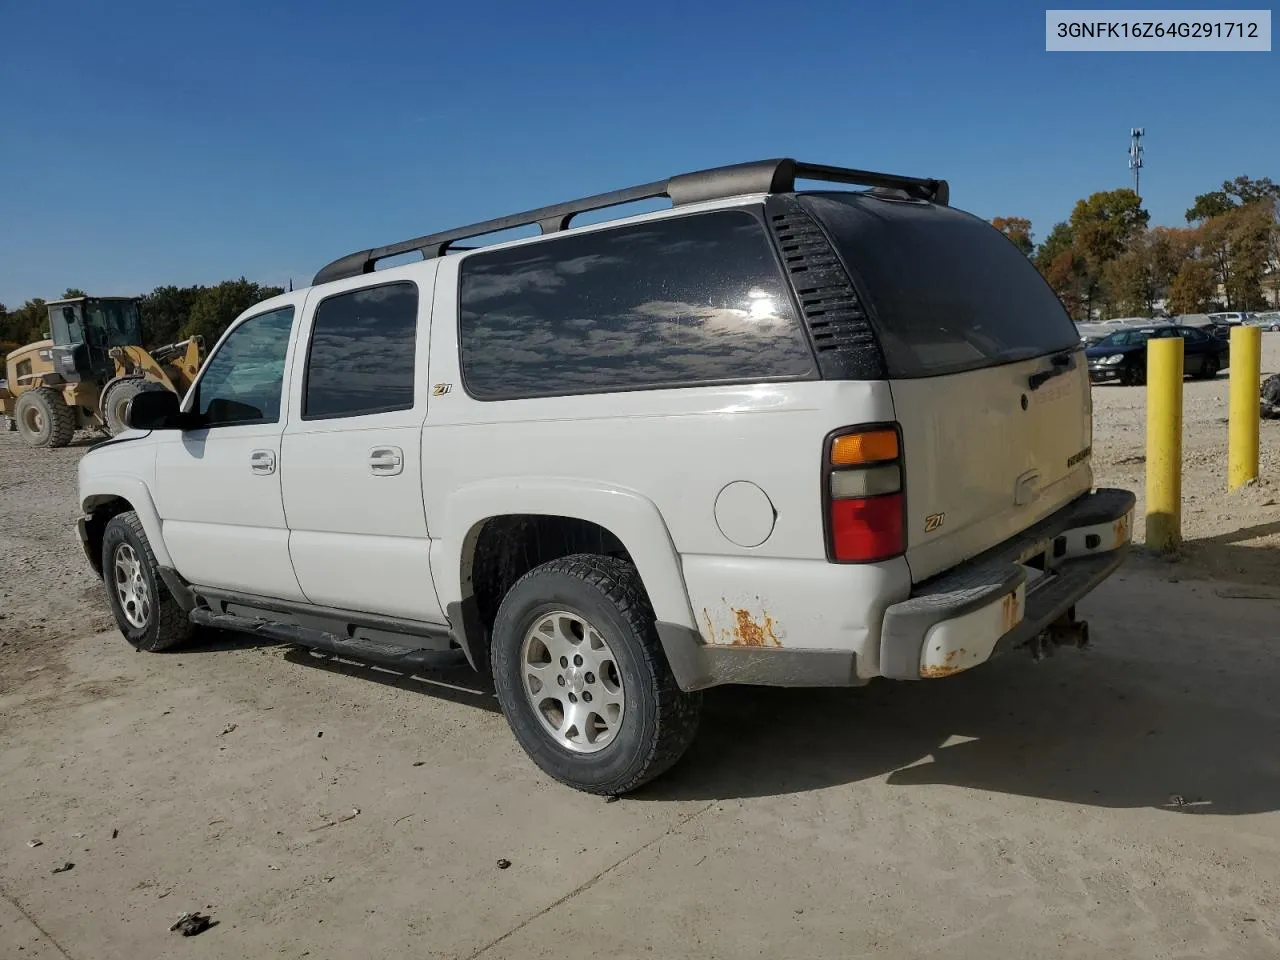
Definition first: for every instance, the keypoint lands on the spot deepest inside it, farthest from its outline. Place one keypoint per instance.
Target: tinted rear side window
(669, 303)
(362, 352)
(948, 291)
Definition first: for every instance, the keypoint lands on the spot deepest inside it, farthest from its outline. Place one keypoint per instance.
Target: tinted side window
(1192, 335)
(362, 352)
(949, 291)
(668, 303)
(241, 382)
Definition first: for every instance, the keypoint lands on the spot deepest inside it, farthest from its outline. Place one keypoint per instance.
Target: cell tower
(1135, 156)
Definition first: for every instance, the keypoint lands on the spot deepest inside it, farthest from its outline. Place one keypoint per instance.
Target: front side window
(242, 381)
(667, 303)
(361, 358)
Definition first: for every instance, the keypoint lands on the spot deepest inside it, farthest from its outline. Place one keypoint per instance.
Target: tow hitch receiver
(1066, 631)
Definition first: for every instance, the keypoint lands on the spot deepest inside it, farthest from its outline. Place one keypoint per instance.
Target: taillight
(862, 491)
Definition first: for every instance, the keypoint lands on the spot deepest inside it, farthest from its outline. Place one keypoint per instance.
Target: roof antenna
(291, 284)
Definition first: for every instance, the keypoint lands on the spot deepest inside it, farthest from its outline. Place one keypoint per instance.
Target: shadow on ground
(1173, 708)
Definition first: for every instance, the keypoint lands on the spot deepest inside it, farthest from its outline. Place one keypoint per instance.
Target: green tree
(28, 323)
(73, 292)
(1240, 192)
(1192, 288)
(164, 311)
(1104, 223)
(215, 307)
(1018, 230)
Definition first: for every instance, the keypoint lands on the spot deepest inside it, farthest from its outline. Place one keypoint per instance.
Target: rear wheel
(44, 420)
(582, 678)
(115, 400)
(145, 611)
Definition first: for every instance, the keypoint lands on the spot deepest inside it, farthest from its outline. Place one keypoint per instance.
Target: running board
(404, 659)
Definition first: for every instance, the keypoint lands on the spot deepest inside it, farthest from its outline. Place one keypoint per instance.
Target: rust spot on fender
(742, 629)
(748, 632)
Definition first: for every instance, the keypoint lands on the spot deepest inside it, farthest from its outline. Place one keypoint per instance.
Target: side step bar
(403, 659)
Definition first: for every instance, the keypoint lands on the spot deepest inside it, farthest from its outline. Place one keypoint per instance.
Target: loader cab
(84, 329)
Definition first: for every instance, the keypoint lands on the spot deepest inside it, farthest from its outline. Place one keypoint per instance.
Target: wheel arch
(108, 496)
(626, 522)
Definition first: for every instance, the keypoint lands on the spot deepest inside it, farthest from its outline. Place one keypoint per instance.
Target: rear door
(988, 376)
(351, 459)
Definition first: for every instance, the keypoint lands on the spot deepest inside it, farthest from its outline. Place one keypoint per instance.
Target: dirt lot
(1120, 802)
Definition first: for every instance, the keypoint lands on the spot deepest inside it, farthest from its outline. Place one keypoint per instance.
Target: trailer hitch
(1066, 631)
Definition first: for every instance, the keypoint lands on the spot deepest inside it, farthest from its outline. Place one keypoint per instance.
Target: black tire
(1134, 375)
(44, 420)
(659, 720)
(165, 624)
(117, 396)
(1209, 368)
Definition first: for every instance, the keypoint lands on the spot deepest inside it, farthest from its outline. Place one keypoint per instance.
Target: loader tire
(115, 400)
(44, 420)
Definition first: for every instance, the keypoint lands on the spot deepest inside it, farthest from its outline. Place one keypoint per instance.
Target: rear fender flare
(632, 518)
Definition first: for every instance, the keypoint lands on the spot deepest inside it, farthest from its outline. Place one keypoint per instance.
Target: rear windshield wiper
(1062, 363)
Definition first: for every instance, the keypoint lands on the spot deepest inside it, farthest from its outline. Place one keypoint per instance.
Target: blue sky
(160, 142)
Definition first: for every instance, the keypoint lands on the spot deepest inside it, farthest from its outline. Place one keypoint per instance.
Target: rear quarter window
(678, 302)
(947, 291)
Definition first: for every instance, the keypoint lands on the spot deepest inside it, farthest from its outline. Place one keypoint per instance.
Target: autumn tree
(1192, 288)
(1018, 230)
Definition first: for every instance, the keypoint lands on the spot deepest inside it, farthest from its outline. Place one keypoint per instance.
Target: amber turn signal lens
(870, 447)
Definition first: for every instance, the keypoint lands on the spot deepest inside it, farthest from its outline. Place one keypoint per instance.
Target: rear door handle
(386, 461)
(262, 462)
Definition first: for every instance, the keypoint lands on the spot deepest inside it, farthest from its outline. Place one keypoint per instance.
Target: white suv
(764, 436)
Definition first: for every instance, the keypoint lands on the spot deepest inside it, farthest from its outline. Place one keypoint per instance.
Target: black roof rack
(762, 176)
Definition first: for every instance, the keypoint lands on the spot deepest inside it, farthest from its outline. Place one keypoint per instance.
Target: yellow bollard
(1242, 433)
(1164, 444)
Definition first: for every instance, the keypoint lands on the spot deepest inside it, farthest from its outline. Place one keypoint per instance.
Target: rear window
(948, 292)
(679, 302)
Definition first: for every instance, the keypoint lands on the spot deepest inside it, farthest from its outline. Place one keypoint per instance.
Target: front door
(218, 486)
(352, 451)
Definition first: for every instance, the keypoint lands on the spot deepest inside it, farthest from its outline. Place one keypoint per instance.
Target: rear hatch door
(988, 374)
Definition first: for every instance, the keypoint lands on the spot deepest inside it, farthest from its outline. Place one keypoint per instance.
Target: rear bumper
(1010, 594)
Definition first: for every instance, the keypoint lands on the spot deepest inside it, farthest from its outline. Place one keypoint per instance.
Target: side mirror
(154, 410)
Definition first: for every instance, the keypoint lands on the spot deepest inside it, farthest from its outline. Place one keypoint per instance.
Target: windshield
(1127, 338)
(115, 323)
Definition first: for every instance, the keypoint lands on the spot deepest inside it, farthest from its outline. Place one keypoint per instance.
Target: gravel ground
(1123, 802)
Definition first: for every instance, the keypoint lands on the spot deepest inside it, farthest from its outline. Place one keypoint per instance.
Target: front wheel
(1134, 376)
(1210, 368)
(582, 679)
(145, 611)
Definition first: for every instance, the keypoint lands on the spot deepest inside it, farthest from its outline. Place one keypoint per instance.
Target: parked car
(1122, 357)
(1267, 321)
(1231, 318)
(584, 462)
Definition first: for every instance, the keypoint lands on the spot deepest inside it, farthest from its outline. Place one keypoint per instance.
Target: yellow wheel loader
(87, 369)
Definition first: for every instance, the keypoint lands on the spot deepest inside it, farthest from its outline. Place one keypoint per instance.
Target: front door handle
(386, 461)
(262, 462)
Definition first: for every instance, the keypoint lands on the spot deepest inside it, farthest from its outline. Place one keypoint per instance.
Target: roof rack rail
(762, 176)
